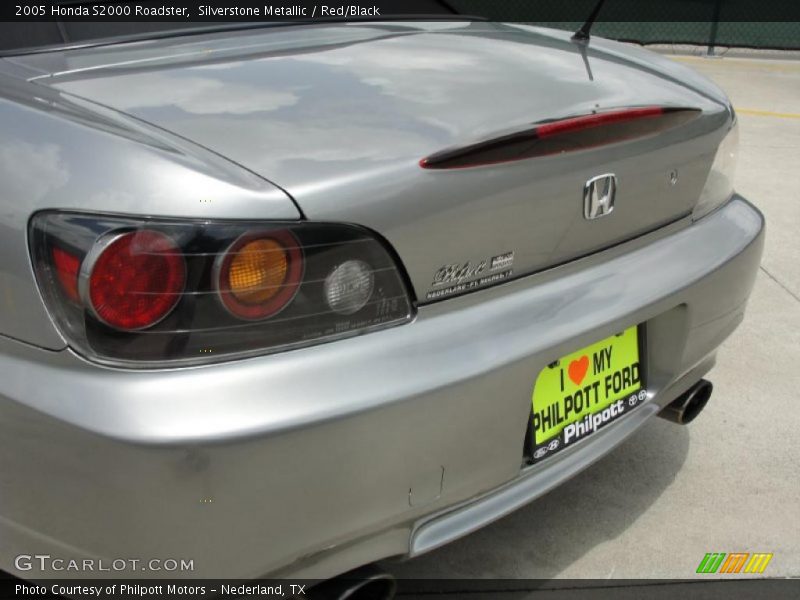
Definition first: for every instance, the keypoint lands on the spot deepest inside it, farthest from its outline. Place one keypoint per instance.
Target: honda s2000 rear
(289, 300)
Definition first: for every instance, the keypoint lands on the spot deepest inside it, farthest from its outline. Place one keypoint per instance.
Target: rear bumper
(315, 461)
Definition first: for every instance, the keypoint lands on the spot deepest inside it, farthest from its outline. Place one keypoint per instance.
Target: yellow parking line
(767, 113)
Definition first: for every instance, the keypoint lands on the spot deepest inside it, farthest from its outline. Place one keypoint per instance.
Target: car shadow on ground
(544, 538)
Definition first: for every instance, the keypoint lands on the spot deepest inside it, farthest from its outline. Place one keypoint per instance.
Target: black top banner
(185, 11)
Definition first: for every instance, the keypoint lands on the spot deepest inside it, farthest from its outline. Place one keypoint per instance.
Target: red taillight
(67, 266)
(135, 279)
(259, 274)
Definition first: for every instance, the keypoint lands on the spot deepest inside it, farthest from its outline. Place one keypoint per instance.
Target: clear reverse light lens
(349, 287)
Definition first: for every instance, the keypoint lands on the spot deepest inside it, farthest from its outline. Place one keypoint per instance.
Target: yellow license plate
(585, 390)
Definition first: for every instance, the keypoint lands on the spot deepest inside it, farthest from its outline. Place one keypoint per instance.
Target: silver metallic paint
(342, 126)
(58, 153)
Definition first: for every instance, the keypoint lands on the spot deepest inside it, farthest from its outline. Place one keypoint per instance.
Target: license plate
(584, 391)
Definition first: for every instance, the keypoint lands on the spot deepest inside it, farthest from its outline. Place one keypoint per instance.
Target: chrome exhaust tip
(365, 583)
(686, 407)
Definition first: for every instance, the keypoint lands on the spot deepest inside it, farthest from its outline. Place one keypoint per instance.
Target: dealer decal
(584, 391)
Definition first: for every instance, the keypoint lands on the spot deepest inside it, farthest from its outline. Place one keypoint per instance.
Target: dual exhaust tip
(687, 406)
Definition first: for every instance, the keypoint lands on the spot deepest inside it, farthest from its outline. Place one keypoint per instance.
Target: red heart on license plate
(577, 369)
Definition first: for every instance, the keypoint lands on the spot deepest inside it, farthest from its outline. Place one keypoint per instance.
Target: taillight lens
(145, 292)
(349, 287)
(67, 267)
(719, 185)
(259, 274)
(133, 280)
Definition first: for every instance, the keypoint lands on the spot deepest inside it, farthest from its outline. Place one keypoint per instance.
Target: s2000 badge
(457, 273)
(457, 278)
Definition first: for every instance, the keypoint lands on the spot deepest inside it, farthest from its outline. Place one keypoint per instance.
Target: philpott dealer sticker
(584, 391)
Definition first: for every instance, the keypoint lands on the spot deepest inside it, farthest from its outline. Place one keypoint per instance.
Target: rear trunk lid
(340, 118)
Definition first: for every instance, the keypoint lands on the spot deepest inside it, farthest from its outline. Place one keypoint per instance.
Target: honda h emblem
(598, 196)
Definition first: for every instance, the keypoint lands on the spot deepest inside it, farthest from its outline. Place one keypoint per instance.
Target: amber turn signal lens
(258, 271)
(259, 274)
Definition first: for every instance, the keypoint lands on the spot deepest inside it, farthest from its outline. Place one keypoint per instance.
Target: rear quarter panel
(57, 153)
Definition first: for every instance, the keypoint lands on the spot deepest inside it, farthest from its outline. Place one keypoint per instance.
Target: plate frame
(529, 444)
